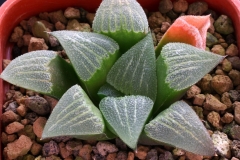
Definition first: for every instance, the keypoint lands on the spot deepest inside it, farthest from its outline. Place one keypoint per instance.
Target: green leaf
(91, 54)
(41, 71)
(75, 115)
(135, 72)
(109, 91)
(179, 126)
(179, 66)
(126, 116)
(123, 20)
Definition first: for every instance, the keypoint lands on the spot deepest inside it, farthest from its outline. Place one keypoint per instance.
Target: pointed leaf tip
(41, 71)
(76, 116)
(187, 29)
(179, 126)
(135, 72)
(179, 66)
(91, 54)
(126, 116)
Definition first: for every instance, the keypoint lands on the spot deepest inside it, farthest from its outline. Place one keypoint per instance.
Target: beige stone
(85, 152)
(221, 84)
(19, 147)
(214, 118)
(225, 99)
(14, 127)
(71, 13)
(111, 156)
(232, 50)
(212, 103)
(192, 156)
(10, 116)
(199, 99)
(63, 151)
(236, 106)
(38, 126)
(37, 44)
(193, 91)
(227, 118)
(180, 6)
(130, 156)
(141, 152)
(235, 77)
(36, 148)
(22, 110)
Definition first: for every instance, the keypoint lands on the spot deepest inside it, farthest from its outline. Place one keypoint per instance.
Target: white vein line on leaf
(126, 71)
(126, 116)
(129, 9)
(116, 108)
(135, 110)
(92, 119)
(176, 72)
(170, 128)
(39, 80)
(87, 46)
(85, 63)
(139, 60)
(170, 118)
(187, 122)
(31, 72)
(85, 55)
(29, 66)
(77, 118)
(141, 21)
(142, 76)
(63, 114)
(189, 63)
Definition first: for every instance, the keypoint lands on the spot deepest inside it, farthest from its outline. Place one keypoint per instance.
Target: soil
(215, 98)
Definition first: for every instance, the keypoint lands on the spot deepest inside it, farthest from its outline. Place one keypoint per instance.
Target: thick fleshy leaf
(109, 91)
(179, 66)
(179, 126)
(76, 116)
(41, 71)
(123, 20)
(91, 54)
(126, 116)
(135, 72)
(187, 29)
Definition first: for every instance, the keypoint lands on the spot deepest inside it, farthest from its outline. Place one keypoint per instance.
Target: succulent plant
(118, 85)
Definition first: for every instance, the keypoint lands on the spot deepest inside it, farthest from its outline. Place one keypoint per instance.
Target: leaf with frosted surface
(76, 116)
(41, 71)
(109, 91)
(123, 20)
(135, 71)
(126, 116)
(91, 54)
(179, 66)
(179, 126)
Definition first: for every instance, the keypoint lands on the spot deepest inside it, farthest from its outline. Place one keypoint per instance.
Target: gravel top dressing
(215, 98)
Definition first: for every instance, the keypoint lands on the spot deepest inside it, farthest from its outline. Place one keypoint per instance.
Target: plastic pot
(13, 11)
